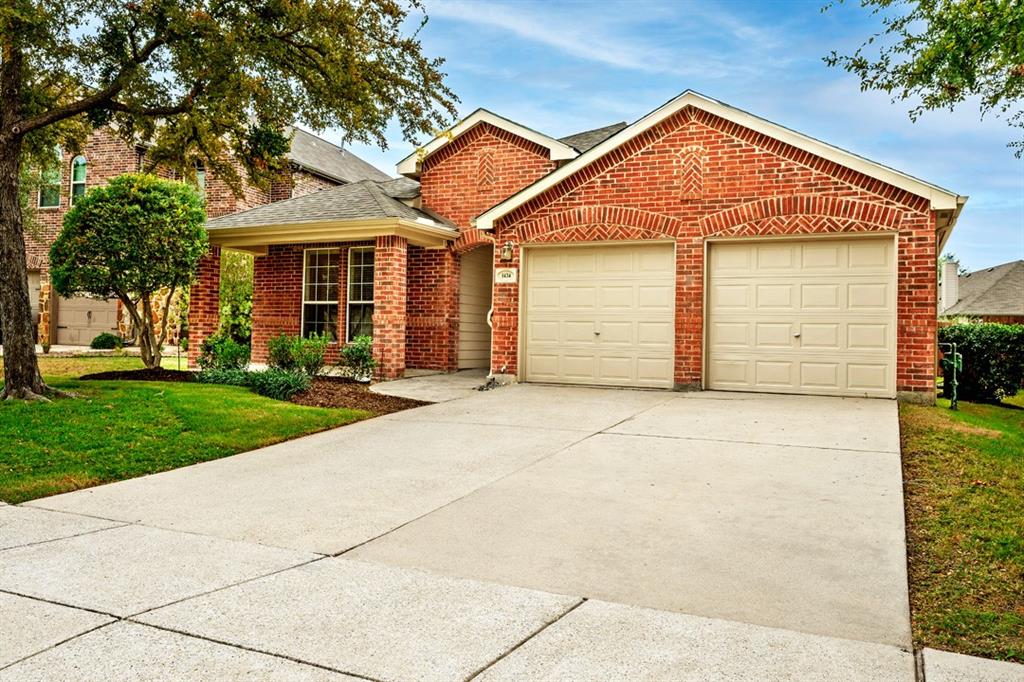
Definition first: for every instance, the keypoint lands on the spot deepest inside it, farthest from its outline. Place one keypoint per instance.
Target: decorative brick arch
(470, 239)
(599, 223)
(801, 214)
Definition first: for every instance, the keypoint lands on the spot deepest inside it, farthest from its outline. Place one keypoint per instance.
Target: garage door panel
(837, 337)
(612, 321)
(775, 296)
(81, 319)
(655, 298)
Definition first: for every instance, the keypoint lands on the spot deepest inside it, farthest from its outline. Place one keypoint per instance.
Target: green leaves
(205, 78)
(938, 54)
(135, 236)
(992, 365)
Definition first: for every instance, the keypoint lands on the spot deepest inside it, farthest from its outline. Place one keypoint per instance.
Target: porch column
(390, 263)
(204, 304)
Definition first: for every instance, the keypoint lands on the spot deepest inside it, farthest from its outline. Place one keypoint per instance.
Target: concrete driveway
(527, 532)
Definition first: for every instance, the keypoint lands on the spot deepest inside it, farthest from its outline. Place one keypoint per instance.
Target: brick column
(204, 304)
(390, 264)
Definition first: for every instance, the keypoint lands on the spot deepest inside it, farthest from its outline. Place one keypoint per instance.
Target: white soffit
(559, 151)
(941, 199)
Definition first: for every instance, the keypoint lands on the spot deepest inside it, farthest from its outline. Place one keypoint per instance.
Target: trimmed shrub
(993, 360)
(223, 352)
(106, 341)
(294, 353)
(358, 357)
(278, 383)
(279, 350)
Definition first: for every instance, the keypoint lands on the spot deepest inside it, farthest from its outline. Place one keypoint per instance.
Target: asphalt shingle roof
(587, 139)
(356, 201)
(324, 158)
(998, 290)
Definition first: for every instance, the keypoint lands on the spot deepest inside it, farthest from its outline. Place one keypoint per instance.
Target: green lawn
(964, 479)
(117, 430)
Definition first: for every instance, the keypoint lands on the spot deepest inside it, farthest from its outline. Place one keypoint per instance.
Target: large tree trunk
(21, 371)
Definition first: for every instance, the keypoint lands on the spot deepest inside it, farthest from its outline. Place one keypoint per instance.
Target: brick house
(698, 247)
(315, 164)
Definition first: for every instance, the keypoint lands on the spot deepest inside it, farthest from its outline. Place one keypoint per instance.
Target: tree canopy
(939, 53)
(138, 237)
(196, 81)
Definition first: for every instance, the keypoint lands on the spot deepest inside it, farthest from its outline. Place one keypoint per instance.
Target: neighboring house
(700, 246)
(993, 294)
(315, 164)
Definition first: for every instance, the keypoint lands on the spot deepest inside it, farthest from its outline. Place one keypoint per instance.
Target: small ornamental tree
(134, 239)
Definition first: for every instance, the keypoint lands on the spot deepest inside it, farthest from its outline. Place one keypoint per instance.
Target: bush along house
(315, 164)
(698, 247)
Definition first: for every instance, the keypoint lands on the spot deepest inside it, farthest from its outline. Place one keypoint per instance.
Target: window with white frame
(49, 184)
(320, 292)
(78, 168)
(360, 293)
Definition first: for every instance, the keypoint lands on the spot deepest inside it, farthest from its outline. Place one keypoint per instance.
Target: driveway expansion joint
(544, 626)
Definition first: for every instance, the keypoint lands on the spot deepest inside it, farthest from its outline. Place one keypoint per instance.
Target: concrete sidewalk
(523, 533)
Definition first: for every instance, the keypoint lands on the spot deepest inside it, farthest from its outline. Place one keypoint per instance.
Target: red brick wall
(479, 169)
(204, 304)
(432, 309)
(680, 181)
(277, 294)
(389, 305)
(298, 183)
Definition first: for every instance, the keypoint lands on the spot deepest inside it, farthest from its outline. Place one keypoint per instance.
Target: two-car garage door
(802, 316)
(810, 315)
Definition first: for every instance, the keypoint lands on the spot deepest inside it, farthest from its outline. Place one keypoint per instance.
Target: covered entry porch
(321, 268)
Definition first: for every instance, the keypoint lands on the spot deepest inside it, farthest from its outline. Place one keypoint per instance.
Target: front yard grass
(964, 484)
(123, 429)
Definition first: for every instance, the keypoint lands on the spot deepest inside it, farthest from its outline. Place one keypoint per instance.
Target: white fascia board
(940, 198)
(558, 151)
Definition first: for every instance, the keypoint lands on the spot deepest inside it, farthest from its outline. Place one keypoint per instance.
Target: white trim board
(558, 151)
(941, 199)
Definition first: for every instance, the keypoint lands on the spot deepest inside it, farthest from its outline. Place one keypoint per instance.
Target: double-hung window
(320, 293)
(78, 167)
(360, 293)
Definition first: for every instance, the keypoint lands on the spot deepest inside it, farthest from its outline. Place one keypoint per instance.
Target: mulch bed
(342, 392)
(155, 374)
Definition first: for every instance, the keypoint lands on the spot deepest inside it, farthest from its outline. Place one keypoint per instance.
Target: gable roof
(363, 200)
(998, 290)
(941, 199)
(557, 150)
(587, 139)
(321, 157)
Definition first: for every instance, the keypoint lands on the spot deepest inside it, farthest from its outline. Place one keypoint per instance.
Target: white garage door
(600, 315)
(814, 316)
(81, 319)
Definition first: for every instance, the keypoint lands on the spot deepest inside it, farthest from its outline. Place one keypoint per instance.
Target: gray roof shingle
(323, 158)
(998, 290)
(588, 139)
(355, 201)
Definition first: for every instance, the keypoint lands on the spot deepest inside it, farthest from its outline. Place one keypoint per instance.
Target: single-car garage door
(811, 316)
(600, 315)
(81, 319)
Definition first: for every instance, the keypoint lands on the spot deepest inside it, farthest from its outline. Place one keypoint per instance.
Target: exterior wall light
(506, 251)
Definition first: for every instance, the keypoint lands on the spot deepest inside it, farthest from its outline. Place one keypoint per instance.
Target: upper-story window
(78, 167)
(49, 184)
(201, 179)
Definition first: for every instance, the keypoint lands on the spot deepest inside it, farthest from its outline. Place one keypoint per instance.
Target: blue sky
(562, 67)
